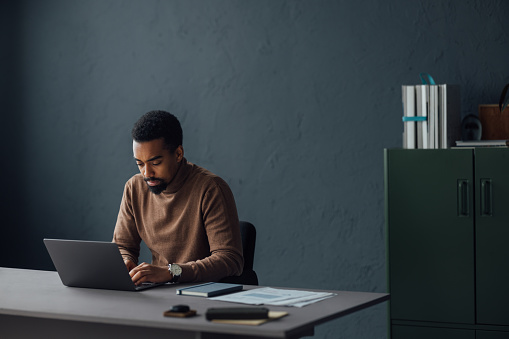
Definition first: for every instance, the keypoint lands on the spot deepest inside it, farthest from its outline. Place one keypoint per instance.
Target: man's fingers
(146, 272)
(137, 269)
(139, 273)
(141, 276)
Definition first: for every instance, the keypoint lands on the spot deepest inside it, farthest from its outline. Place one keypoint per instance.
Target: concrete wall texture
(291, 102)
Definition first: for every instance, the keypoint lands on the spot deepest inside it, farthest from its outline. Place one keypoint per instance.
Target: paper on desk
(275, 297)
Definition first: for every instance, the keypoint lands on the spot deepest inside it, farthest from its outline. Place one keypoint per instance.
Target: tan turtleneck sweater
(192, 223)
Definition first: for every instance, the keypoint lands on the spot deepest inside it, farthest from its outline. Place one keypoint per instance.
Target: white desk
(35, 304)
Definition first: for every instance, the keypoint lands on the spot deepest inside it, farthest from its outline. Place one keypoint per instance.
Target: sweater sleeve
(126, 235)
(221, 224)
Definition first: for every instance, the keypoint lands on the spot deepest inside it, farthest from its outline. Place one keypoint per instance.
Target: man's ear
(179, 152)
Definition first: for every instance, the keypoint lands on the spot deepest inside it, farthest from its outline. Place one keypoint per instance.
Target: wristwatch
(176, 272)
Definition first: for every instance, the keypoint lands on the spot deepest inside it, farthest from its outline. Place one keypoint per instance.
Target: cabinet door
(429, 211)
(492, 235)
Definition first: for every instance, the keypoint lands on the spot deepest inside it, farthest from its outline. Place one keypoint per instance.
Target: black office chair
(248, 276)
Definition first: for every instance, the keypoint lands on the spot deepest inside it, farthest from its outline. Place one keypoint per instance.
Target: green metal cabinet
(492, 236)
(447, 217)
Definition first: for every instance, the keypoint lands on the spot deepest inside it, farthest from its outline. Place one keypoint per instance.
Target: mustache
(153, 179)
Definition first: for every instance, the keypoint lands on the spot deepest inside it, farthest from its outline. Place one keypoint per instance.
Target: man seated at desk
(185, 214)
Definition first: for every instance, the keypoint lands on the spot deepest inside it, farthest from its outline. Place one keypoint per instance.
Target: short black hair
(158, 124)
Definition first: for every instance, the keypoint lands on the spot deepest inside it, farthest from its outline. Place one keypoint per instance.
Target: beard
(158, 188)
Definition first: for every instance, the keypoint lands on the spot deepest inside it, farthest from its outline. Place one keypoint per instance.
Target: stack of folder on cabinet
(431, 115)
(483, 143)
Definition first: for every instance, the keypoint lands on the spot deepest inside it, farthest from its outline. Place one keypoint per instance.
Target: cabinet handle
(486, 198)
(463, 198)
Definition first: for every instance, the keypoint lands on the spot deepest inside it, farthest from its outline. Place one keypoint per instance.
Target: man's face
(156, 163)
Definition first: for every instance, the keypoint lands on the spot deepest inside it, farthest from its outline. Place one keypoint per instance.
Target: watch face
(176, 270)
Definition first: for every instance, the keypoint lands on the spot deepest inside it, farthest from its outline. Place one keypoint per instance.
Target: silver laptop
(91, 264)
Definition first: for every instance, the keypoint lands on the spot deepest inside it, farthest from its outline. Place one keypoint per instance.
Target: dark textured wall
(12, 197)
(291, 102)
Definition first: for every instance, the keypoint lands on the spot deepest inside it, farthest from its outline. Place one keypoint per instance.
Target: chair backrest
(248, 276)
(248, 234)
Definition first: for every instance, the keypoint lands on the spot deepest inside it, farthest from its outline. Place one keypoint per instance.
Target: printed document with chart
(275, 297)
